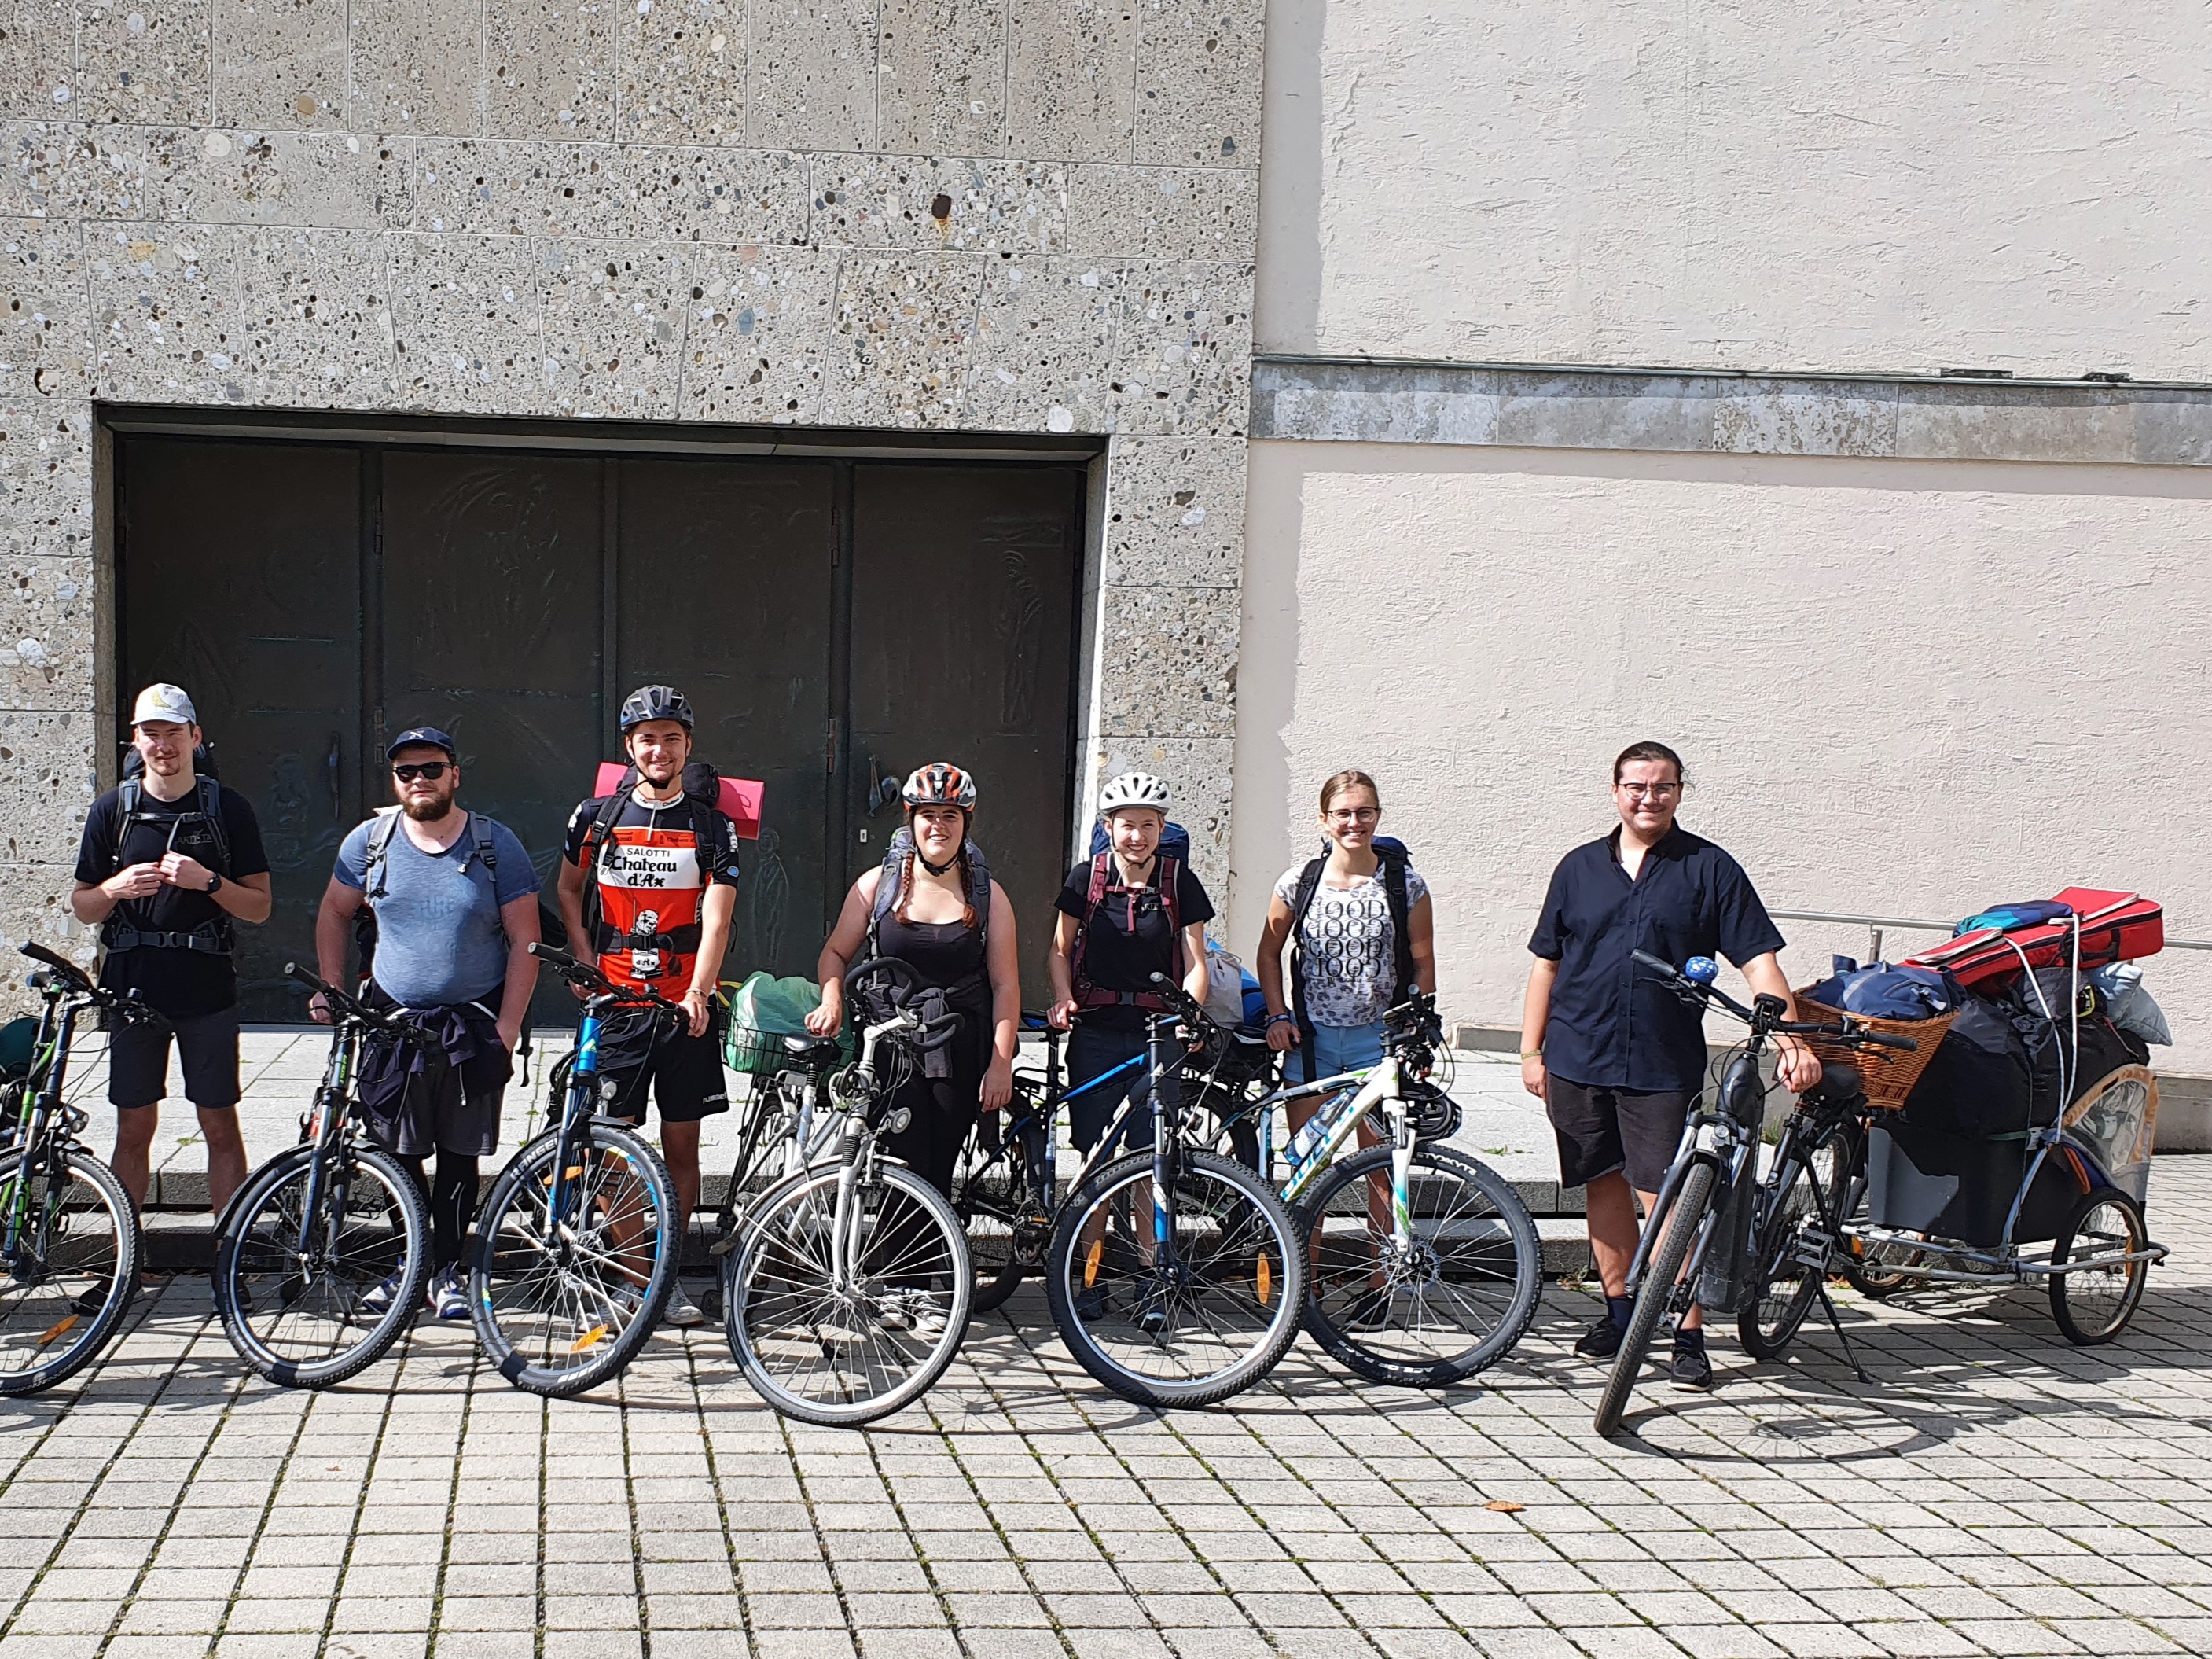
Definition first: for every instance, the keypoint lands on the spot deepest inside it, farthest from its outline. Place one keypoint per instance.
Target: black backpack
(1392, 861)
(215, 938)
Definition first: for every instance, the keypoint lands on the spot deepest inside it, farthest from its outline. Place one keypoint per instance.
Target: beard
(427, 811)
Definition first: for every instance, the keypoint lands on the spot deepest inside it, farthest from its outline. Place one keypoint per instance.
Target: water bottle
(1308, 1139)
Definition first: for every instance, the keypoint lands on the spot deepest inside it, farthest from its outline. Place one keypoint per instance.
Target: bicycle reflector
(1701, 970)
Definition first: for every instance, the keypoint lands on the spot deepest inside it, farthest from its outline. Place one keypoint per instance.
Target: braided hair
(968, 918)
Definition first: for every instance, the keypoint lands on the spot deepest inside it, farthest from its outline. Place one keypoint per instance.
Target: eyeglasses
(429, 770)
(1649, 791)
(1356, 815)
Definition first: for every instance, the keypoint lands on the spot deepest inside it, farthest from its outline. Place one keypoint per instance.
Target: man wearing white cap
(169, 859)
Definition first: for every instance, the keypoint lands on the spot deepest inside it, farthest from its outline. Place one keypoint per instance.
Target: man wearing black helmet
(661, 861)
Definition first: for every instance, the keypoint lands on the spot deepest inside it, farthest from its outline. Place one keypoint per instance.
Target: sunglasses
(431, 770)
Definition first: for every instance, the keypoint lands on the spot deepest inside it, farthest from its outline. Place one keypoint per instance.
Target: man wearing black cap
(455, 904)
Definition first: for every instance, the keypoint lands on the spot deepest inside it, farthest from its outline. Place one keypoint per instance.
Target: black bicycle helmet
(655, 703)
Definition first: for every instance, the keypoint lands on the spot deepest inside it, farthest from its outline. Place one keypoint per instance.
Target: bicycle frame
(57, 1028)
(328, 1122)
(1724, 1136)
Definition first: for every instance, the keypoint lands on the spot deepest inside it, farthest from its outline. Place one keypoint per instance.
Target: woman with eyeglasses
(1361, 935)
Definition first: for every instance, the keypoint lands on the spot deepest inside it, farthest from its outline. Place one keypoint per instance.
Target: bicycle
(1176, 1276)
(69, 1233)
(576, 1250)
(849, 1289)
(315, 1229)
(1426, 1265)
(1707, 1205)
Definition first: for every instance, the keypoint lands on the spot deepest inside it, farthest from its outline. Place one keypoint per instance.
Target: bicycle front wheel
(842, 1317)
(68, 1277)
(562, 1301)
(1195, 1323)
(1791, 1263)
(1455, 1297)
(310, 1305)
(1660, 1271)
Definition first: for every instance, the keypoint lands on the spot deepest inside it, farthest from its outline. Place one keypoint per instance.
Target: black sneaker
(1692, 1371)
(1602, 1341)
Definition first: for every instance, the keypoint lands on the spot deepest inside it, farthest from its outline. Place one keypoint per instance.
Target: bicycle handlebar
(345, 1003)
(77, 982)
(591, 979)
(72, 976)
(1185, 1005)
(1845, 1033)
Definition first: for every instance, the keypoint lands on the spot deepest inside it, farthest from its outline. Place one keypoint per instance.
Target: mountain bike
(1176, 1276)
(576, 1250)
(1426, 1265)
(849, 1289)
(1702, 1221)
(316, 1229)
(69, 1236)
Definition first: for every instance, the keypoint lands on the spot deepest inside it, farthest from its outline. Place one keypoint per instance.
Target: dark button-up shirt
(1612, 1025)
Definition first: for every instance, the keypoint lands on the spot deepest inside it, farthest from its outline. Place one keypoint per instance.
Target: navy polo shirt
(1612, 1024)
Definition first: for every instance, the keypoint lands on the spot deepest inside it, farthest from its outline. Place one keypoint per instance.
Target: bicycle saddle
(805, 1046)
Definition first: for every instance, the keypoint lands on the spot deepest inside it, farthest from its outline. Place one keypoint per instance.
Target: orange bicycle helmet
(940, 783)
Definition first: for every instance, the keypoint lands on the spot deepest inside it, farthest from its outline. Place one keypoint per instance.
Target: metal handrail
(1877, 925)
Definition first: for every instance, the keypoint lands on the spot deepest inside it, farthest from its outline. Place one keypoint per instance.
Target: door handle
(331, 775)
(883, 789)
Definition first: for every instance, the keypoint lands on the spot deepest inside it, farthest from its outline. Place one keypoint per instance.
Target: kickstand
(1836, 1324)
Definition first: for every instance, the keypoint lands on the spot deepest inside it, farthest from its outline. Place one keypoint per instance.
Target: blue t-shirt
(438, 936)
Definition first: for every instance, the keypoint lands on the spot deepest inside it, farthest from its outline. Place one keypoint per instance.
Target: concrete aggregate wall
(997, 215)
(1895, 187)
(1908, 688)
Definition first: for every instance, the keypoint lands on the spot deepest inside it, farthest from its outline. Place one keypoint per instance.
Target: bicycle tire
(1869, 1269)
(994, 1204)
(507, 1245)
(2131, 1235)
(1331, 1320)
(58, 1313)
(763, 1314)
(240, 1254)
(1265, 1236)
(1681, 1222)
(1768, 1324)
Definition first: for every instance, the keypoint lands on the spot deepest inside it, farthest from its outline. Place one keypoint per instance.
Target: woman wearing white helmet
(1125, 914)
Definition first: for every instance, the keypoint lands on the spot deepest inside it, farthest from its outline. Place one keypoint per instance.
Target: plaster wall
(1896, 186)
(1907, 687)
(998, 215)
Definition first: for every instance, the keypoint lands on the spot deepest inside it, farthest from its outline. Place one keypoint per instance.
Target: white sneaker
(682, 1311)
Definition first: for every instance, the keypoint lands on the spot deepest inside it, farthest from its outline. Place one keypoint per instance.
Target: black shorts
(1602, 1130)
(686, 1075)
(207, 1051)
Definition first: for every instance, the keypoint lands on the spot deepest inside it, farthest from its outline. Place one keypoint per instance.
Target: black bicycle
(576, 1250)
(69, 1236)
(321, 1257)
(1707, 1221)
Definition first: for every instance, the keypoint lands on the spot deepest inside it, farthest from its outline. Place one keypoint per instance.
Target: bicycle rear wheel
(999, 1213)
(1660, 1271)
(1210, 1325)
(561, 1303)
(2094, 1304)
(841, 1336)
(1454, 1301)
(300, 1318)
(66, 1285)
(1787, 1281)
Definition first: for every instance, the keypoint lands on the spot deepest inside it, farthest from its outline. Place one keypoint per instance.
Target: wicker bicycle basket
(1889, 1073)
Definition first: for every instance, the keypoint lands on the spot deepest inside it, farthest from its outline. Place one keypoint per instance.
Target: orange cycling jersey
(652, 885)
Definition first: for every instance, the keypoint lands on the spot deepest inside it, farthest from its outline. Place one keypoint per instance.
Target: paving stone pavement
(1992, 1490)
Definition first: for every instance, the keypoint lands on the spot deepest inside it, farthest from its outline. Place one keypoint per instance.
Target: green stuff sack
(764, 1011)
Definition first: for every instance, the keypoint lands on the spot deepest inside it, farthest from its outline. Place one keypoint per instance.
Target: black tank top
(948, 956)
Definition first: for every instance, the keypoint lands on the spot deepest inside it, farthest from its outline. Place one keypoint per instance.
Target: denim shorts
(1333, 1051)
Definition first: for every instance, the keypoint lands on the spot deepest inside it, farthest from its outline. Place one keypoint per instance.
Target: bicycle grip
(1884, 1039)
(936, 1033)
(1657, 965)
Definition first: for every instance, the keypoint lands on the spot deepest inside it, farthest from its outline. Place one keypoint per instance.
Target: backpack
(213, 937)
(703, 790)
(887, 889)
(1174, 841)
(1167, 874)
(1394, 860)
(381, 830)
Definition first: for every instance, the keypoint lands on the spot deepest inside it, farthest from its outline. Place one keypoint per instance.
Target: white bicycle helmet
(1134, 789)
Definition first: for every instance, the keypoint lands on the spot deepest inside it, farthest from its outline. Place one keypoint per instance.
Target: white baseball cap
(164, 701)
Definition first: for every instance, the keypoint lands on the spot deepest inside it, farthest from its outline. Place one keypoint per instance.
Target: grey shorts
(1601, 1130)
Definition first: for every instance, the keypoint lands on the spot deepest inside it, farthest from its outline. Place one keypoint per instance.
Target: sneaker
(925, 1317)
(378, 1299)
(449, 1295)
(1152, 1312)
(894, 1312)
(682, 1311)
(1692, 1371)
(1370, 1313)
(1091, 1304)
(1602, 1341)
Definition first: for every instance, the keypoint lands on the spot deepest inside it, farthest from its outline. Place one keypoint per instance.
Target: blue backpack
(1174, 841)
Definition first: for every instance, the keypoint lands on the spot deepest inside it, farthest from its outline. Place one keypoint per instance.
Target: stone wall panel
(753, 343)
(1174, 656)
(811, 80)
(1044, 334)
(465, 309)
(682, 72)
(215, 176)
(941, 76)
(166, 316)
(45, 329)
(37, 60)
(1175, 512)
(316, 310)
(935, 203)
(1198, 82)
(1162, 213)
(417, 66)
(46, 774)
(280, 63)
(1071, 78)
(729, 197)
(46, 633)
(56, 170)
(34, 905)
(1197, 772)
(612, 316)
(607, 191)
(900, 354)
(1182, 361)
(550, 69)
(45, 477)
(147, 61)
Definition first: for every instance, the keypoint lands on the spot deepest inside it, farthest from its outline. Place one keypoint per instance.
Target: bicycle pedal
(1814, 1248)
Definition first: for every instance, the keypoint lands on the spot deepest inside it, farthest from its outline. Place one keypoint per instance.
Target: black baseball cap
(415, 737)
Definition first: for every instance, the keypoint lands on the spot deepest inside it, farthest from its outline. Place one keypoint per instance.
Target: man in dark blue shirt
(1616, 1059)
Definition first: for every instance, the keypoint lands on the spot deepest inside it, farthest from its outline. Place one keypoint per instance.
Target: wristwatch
(214, 880)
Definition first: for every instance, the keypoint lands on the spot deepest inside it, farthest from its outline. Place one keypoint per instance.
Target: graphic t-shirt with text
(652, 880)
(1348, 946)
